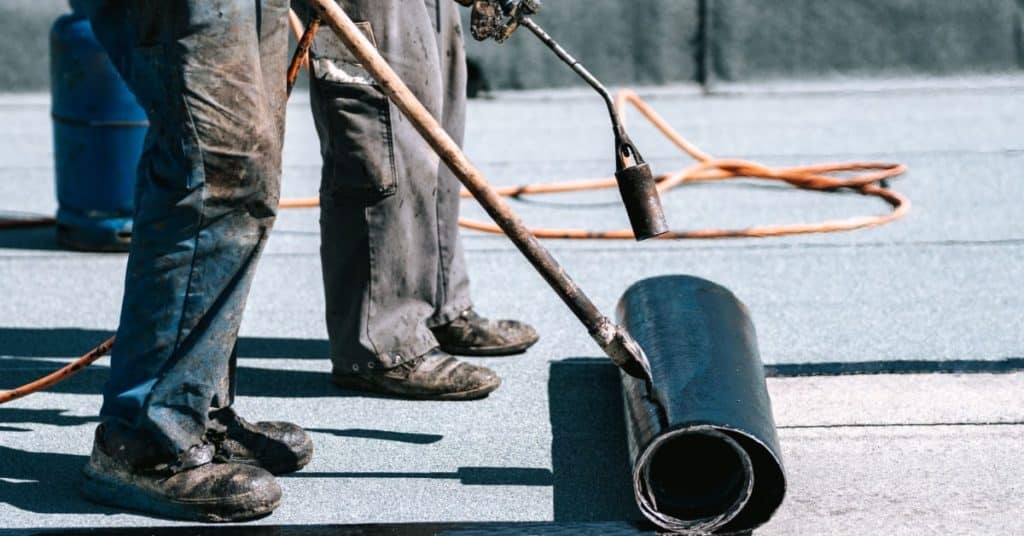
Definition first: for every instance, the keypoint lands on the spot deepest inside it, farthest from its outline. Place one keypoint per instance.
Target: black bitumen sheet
(702, 436)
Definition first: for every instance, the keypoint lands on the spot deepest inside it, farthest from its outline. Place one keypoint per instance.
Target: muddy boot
(278, 447)
(434, 376)
(127, 473)
(472, 334)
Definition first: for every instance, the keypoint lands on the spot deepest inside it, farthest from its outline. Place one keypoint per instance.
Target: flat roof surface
(909, 453)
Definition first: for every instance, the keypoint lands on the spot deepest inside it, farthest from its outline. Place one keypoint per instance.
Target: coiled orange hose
(710, 169)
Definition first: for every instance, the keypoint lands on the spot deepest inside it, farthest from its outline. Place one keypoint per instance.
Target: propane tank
(98, 134)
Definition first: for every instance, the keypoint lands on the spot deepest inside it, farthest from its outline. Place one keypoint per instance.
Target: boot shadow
(44, 482)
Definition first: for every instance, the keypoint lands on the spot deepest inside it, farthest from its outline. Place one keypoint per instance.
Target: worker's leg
(278, 447)
(457, 327)
(453, 296)
(379, 190)
(206, 198)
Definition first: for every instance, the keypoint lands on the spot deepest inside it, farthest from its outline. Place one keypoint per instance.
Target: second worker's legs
(394, 272)
(380, 211)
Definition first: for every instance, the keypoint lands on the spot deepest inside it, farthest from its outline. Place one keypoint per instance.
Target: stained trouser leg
(379, 190)
(206, 198)
(273, 49)
(453, 295)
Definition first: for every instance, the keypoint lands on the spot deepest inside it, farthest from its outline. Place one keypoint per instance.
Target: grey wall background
(751, 39)
(708, 41)
(24, 42)
(653, 42)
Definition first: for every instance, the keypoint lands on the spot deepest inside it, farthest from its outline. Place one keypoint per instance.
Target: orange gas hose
(60, 375)
(706, 169)
(710, 169)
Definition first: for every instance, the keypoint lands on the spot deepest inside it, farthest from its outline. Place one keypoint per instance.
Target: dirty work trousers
(211, 76)
(392, 260)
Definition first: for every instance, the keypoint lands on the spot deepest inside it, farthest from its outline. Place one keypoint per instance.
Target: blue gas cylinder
(98, 134)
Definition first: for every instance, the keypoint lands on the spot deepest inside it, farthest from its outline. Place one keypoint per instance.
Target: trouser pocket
(353, 117)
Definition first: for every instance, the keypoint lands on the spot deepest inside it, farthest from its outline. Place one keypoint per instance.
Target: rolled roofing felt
(701, 434)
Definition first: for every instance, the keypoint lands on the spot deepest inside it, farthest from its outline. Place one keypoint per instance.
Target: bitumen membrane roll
(701, 433)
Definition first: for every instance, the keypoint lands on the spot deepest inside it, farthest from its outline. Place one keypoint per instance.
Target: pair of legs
(211, 76)
(392, 258)
(394, 273)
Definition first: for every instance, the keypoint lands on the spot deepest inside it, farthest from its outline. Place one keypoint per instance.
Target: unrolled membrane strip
(701, 434)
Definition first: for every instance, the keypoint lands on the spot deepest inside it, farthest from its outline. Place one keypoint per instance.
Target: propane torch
(636, 182)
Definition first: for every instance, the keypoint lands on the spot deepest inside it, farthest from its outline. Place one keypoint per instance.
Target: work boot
(474, 335)
(433, 376)
(278, 447)
(125, 473)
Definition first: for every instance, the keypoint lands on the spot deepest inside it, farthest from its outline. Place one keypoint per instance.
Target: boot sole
(356, 383)
(489, 351)
(98, 489)
(283, 469)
